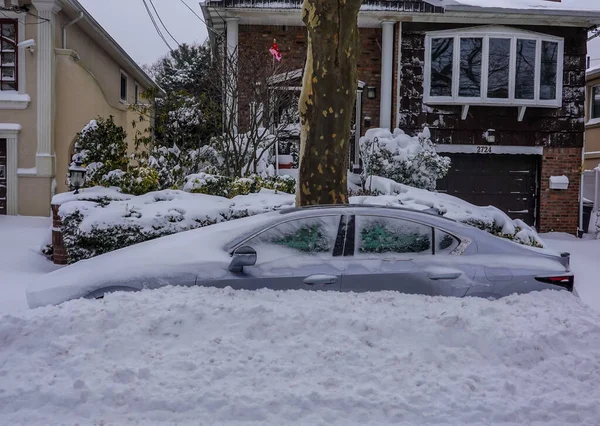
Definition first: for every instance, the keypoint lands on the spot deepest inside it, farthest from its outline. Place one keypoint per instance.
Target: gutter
(66, 26)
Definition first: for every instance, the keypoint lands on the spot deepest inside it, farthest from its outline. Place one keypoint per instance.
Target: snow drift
(208, 356)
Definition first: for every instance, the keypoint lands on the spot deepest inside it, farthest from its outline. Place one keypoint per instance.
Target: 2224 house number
(483, 149)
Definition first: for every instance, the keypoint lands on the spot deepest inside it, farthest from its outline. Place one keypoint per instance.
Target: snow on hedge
(99, 220)
(203, 356)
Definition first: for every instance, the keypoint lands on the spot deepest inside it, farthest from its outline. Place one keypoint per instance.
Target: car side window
(444, 242)
(376, 235)
(314, 236)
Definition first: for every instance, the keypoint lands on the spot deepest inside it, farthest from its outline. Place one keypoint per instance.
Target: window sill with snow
(14, 100)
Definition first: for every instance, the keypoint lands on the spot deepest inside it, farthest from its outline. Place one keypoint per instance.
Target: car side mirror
(243, 256)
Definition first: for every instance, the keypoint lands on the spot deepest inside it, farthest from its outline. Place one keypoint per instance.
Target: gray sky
(128, 22)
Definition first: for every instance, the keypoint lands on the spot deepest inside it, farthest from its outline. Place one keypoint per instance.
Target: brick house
(502, 90)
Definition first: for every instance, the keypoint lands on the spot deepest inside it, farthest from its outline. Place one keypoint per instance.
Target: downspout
(581, 231)
(67, 25)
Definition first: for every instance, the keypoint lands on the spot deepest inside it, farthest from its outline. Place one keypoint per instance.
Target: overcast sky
(128, 22)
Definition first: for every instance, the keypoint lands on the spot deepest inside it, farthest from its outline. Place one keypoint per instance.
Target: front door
(3, 161)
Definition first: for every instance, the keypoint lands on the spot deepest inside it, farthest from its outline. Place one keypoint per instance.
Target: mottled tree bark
(327, 100)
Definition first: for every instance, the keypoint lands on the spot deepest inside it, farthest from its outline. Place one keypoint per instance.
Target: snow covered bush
(409, 160)
(100, 220)
(204, 183)
(101, 148)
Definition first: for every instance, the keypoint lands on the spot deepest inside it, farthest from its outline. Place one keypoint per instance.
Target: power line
(201, 20)
(156, 27)
(163, 24)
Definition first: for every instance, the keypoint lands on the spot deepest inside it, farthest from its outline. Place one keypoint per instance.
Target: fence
(591, 193)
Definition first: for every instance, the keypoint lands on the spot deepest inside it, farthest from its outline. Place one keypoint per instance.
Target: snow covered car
(341, 248)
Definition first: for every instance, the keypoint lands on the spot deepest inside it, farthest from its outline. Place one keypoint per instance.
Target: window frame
(136, 93)
(592, 119)
(121, 75)
(16, 52)
(486, 33)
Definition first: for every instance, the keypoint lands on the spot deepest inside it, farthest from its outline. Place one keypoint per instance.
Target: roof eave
(110, 44)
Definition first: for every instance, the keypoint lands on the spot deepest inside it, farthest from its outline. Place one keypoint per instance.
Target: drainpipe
(581, 231)
(67, 25)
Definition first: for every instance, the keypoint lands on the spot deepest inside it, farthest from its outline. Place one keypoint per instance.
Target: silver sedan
(335, 248)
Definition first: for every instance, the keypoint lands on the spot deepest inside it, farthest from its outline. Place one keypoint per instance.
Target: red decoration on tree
(275, 51)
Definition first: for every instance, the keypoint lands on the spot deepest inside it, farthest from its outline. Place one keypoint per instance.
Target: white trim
(10, 132)
(399, 73)
(121, 75)
(489, 149)
(487, 32)
(10, 99)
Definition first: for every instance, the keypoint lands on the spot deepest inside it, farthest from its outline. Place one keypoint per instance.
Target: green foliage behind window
(309, 239)
(377, 238)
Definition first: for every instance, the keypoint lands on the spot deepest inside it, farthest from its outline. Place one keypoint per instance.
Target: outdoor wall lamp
(490, 136)
(371, 92)
(77, 176)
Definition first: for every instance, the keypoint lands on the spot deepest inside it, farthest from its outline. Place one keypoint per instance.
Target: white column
(387, 74)
(232, 52)
(399, 77)
(47, 10)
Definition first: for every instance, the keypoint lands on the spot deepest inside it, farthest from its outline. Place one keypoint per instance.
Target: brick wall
(255, 41)
(59, 255)
(559, 209)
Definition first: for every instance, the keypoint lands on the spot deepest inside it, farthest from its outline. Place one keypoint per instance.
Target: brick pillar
(58, 249)
(559, 209)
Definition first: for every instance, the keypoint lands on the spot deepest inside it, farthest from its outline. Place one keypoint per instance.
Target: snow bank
(208, 356)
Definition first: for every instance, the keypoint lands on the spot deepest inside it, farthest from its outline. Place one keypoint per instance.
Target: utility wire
(201, 20)
(163, 24)
(156, 27)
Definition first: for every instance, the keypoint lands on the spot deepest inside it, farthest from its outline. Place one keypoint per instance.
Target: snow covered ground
(20, 259)
(193, 356)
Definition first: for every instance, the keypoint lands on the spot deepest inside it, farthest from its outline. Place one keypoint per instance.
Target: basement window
(493, 66)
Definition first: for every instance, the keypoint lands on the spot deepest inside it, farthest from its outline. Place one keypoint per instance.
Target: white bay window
(493, 66)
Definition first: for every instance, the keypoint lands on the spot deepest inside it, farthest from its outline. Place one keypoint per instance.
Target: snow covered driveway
(209, 356)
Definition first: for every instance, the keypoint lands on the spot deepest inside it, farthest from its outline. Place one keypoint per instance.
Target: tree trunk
(327, 100)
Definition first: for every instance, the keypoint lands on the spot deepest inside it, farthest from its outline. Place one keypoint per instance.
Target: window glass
(596, 102)
(548, 70)
(442, 51)
(8, 55)
(123, 87)
(136, 93)
(381, 235)
(444, 243)
(308, 236)
(498, 68)
(525, 72)
(470, 67)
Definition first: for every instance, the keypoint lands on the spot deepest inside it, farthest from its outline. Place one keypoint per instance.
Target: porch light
(371, 92)
(77, 176)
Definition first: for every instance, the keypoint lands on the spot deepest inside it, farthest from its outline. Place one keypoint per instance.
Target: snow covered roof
(566, 7)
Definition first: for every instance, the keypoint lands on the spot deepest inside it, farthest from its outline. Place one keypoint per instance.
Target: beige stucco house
(58, 70)
(592, 118)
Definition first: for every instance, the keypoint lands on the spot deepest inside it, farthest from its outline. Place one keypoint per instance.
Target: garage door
(2, 176)
(508, 182)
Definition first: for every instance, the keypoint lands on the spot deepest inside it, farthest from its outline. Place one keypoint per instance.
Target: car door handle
(320, 280)
(445, 276)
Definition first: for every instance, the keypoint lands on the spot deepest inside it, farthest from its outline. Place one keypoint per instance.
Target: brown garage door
(2, 176)
(508, 182)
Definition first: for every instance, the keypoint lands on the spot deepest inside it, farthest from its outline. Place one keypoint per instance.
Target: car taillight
(565, 281)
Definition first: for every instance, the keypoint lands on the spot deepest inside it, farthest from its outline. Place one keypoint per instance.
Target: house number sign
(484, 149)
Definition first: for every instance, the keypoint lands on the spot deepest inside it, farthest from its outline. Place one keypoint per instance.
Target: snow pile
(538, 5)
(411, 160)
(490, 219)
(192, 356)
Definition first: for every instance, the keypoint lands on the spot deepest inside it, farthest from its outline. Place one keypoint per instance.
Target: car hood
(149, 264)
